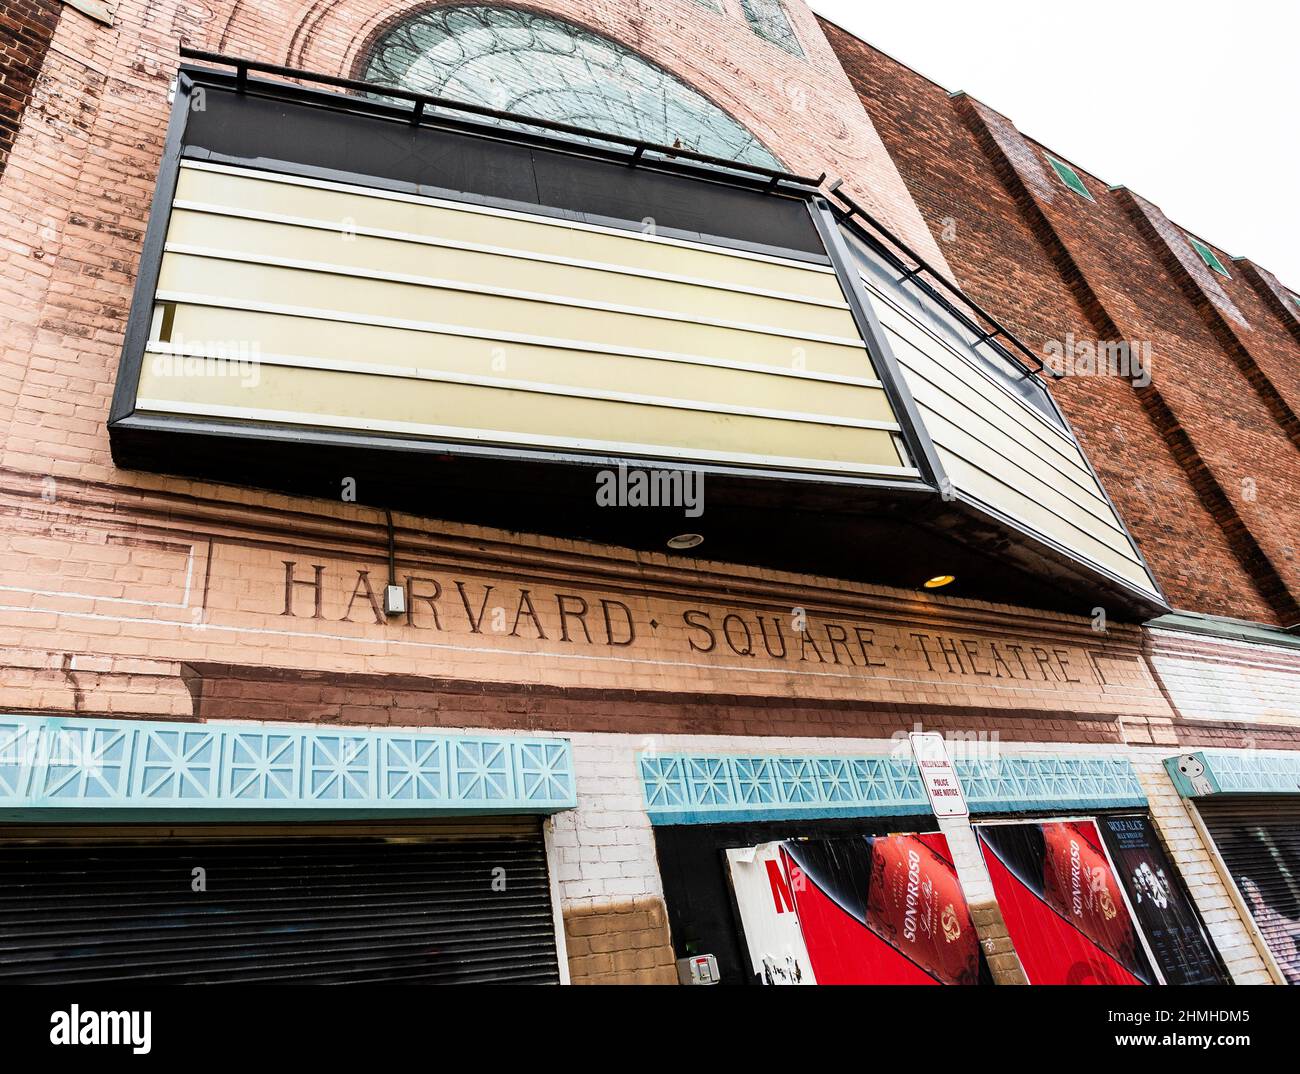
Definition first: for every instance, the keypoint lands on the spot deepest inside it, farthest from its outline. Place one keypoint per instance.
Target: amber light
(939, 581)
(685, 540)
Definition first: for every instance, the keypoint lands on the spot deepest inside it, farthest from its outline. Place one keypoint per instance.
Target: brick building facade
(139, 603)
(1212, 500)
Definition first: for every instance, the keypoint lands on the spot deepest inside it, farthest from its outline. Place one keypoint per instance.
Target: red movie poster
(885, 910)
(1062, 904)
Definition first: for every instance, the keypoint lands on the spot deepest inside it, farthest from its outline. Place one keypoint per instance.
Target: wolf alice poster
(1173, 930)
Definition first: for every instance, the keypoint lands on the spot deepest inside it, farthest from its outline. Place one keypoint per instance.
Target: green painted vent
(1069, 177)
(768, 19)
(1209, 257)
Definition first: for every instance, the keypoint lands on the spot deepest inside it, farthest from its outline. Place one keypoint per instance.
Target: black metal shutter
(1259, 841)
(403, 904)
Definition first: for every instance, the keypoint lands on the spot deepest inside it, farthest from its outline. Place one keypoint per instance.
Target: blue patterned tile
(1239, 772)
(233, 769)
(693, 789)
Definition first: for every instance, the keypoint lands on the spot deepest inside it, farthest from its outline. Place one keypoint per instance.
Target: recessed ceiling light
(939, 581)
(685, 540)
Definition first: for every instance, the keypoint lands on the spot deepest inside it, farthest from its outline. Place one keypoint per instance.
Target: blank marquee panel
(996, 449)
(392, 314)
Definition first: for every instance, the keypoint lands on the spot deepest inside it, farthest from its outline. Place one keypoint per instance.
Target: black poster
(1178, 940)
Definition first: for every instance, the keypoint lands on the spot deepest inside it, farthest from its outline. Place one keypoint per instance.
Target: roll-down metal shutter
(1259, 841)
(456, 903)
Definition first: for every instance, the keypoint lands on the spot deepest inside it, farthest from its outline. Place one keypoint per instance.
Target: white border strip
(557, 902)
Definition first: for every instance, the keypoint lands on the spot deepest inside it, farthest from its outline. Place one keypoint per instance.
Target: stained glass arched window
(521, 61)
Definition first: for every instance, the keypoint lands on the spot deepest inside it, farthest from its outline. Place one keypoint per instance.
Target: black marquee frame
(894, 531)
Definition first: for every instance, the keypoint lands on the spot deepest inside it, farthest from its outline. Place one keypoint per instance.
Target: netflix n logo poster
(1062, 904)
(866, 910)
(765, 897)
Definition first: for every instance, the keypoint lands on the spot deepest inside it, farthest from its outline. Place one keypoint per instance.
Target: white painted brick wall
(1218, 679)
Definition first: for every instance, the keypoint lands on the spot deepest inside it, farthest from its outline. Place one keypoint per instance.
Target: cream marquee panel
(995, 467)
(425, 318)
(240, 282)
(1034, 516)
(395, 352)
(992, 438)
(274, 243)
(976, 393)
(359, 210)
(995, 449)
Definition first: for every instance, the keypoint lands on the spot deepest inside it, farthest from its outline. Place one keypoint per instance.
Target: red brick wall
(1202, 464)
(26, 29)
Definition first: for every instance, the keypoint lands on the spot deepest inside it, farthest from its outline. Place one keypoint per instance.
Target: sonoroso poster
(1062, 904)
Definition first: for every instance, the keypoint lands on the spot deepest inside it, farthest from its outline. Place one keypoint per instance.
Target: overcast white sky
(1194, 105)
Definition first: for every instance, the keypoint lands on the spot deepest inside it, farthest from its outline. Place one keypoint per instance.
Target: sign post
(948, 802)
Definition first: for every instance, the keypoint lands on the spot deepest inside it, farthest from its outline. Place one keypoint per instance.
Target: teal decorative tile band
(1212, 772)
(118, 767)
(1018, 784)
(725, 788)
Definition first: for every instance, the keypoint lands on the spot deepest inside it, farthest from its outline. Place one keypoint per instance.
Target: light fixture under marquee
(685, 540)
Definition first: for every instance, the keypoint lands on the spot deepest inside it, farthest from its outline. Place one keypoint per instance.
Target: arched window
(539, 66)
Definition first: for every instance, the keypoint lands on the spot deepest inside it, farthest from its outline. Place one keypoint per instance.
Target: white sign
(938, 774)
